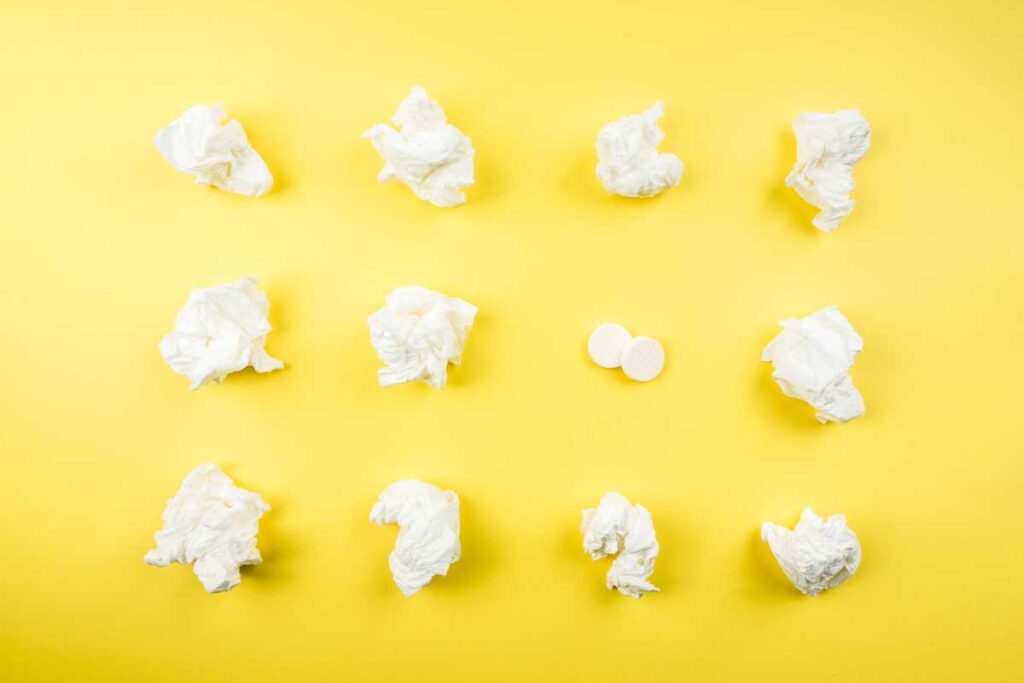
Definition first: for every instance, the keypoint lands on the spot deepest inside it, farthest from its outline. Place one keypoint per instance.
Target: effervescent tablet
(607, 343)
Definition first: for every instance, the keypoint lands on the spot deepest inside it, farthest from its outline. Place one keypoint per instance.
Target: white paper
(827, 147)
(817, 554)
(418, 333)
(212, 525)
(428, 536)
(216, 155)
(628, 160)
(427, 153)
(812, 357)
(219, 331)
(617, 527)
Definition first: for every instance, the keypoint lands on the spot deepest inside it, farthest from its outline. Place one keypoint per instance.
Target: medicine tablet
(606, 344)
(643, 359)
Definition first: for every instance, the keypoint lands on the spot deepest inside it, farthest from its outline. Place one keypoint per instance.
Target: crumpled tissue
(418, 333)
(219, 331)
(217, 155)
(628, 160)
(827, 147)
(613, 527)
(817, 554)
(211, 524)
(811, 359)
(427, 153)
(428, 536)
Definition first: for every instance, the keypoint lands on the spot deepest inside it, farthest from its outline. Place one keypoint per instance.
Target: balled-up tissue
(628, 160)
(615, 526)
(811, 358)
(217, 155)
(219, 331)
(427, 153)
(418, 333)
(212, 525)
(428, 535)
(827, 147)
(818, 554)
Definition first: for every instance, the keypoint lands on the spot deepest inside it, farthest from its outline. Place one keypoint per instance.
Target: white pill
(643, 359)
(606, 344)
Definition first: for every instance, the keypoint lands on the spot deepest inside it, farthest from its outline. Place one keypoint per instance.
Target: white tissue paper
(217, 155)
(211, 524)
(811, 358)
(628, 160)
(827, 147)
(417, 333)
(219, 331)
(818, 554)
(428, 154)
(428, 536)
(613, 527)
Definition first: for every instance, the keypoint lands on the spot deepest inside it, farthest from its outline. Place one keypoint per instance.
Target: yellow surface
(101, 242)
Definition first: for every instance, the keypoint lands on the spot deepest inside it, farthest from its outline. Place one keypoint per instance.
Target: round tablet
(643, 359)
(606, 344)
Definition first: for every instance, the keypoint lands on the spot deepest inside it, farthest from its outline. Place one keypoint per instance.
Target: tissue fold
(613, 527)
(427, 153)
(217, 155)
(211, 524)
(818, 554)
(417, 333)
(628, 161)
(219, 331)
(827, 147)
(428, 536)
(811, 358)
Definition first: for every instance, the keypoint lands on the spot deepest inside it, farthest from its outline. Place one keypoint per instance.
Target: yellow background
(102, 241)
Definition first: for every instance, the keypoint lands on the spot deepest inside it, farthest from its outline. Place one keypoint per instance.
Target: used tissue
(427, 153)
(417, 333)
(827, 147)
(428, 536)
(818, 554)
(811, 358)
(613, 527)
(628, 160)
(219, 331)
(211, 524)
(217, 155)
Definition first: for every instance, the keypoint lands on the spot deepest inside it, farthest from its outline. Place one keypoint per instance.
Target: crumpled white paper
(219, 331)
(817, 554)
(417, 333)
(217, 155)
(428, 154)
(811, 358)
(615, 526)
(628, 160)
(428, 536)
(827, 147)
(211, 524)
